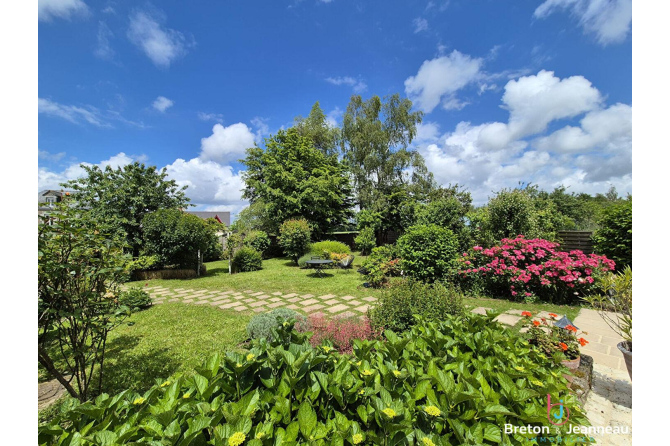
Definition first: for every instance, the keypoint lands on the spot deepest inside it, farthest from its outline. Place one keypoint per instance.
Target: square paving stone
(295, 299)
(346, 314)
(514, 312)
(355, 303)
(257, 304)
(276, 293)
(290, 295)
(312, 308)
(259, 309)
(326, 296)
(370, 299)
(276, 299)
(248, 301)
(249, 291)
(338, 308)
(348, 297)
(262, 296)
(480, 310)
(362, 308)
(276, 304)
(242, 308)
(332, 302)
(187, 301)
(230, 305)
(507, 319)
(309, 302)
(292, 307)
(307, 296)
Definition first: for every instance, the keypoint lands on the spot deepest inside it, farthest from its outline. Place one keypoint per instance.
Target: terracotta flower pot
(626, 348)
(572, 364)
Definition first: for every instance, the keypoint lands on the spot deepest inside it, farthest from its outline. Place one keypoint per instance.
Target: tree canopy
(295, 179)
(123, 196)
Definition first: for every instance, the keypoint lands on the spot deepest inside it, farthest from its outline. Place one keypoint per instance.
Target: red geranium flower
(583, 341)
(571, 328)
(553, 315)
(536, 323)
(526, 313)
(563, 346)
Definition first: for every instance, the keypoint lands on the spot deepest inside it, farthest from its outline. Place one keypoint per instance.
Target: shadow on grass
(216, 272)
(291, 263)
(320, 276)
(126, 368)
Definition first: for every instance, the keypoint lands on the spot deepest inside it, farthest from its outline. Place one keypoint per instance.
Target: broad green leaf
(306, 419)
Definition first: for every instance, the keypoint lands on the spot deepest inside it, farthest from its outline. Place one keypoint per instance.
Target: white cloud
(210, 184)
(357, 85)
(47, 179)
(427, 132)
(71, 113)
(493, 155)
(609, 20)
(333, 116)
(104, 49)
(162, 103)
(227, 143)
(218, 117)
(420, 24)
(262, 128)
(162, 45)
(63, 9)
(440, 78)
(48, 156)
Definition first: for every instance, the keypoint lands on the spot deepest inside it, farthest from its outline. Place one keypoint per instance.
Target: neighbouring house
(46, 200)
(221, 217)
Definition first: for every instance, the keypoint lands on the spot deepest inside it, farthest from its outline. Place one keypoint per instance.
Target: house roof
(223, 217)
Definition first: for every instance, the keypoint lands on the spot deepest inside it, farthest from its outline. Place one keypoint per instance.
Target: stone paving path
(259, 302)
(48, 393)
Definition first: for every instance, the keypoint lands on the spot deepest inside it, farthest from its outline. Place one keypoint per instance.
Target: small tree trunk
(47, 363)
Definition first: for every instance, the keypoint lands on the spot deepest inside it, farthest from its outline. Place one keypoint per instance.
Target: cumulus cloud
(226, 143)
(487, 157)
(72, 113)
(357, 85)
(47, 179)
(609, 20)
(63, 9)
(48, 156)
(162, 103)
(439, 79)
(420, 24)
(211, 185)
(162, 45)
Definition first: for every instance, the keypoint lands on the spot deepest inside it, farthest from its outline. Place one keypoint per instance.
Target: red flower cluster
(535, 267)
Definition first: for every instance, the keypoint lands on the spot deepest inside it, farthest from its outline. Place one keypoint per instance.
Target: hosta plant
(452, 382)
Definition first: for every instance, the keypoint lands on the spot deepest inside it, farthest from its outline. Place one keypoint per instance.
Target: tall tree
(315, 126)
(375, 140)
(123, 196)
(295, 179)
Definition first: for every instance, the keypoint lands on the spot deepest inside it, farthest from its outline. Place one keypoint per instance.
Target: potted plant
(560, 344)
(615, 306)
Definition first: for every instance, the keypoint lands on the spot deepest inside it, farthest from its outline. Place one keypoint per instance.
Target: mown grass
(164, 339)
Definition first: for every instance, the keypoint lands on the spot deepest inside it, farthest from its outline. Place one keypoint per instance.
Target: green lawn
(281, 274)
(154, 343)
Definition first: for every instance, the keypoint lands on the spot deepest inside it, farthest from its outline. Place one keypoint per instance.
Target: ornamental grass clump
(532, 269)
(454, 381)
(555, 342)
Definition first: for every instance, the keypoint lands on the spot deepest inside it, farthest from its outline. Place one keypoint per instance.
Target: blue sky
(532, 91)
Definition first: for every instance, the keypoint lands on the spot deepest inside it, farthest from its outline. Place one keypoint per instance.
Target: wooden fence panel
(571, 240)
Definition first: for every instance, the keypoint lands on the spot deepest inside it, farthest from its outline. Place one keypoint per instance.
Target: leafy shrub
(428, 252)
(456, 381)
(142, 263)
(261, 325)
(366, 240)
(340, 332)
(382, 264)
(533, 269)
(329, 247)
(398, 304)
(176, 237)
(294, 237)
(614, 238)
(247, 259)
(214, 249)
(135, 298)
(259, 241)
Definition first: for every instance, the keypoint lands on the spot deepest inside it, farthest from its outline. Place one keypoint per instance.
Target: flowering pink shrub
(340, 331)
(531, 269)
